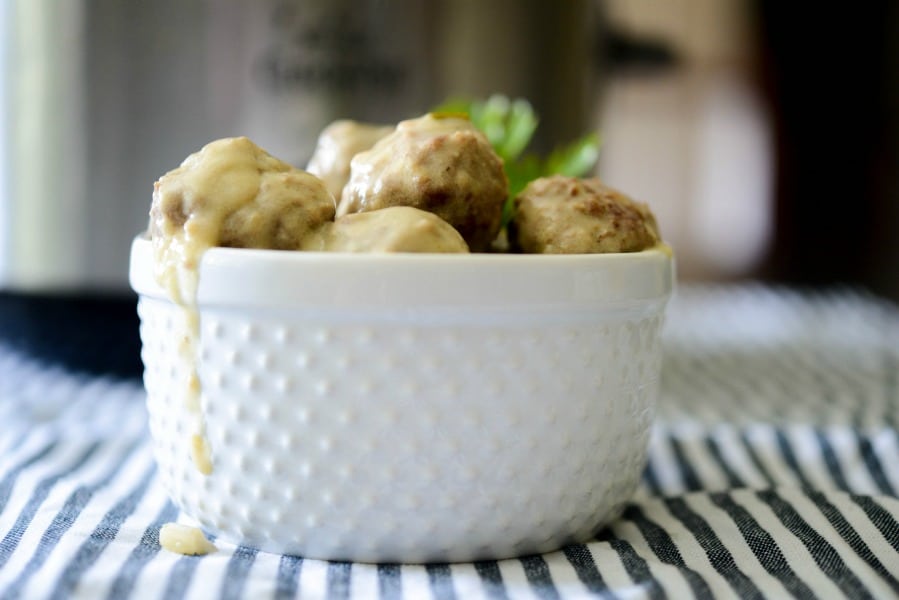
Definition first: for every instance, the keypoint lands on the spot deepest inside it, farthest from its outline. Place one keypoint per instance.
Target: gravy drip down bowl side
(407, 407)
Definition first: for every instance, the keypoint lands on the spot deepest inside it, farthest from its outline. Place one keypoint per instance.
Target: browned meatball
(233, 193)
(337, 144)
(392, 229)
(439, 164)
(567, 215)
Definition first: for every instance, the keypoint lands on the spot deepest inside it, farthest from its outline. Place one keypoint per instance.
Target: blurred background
(764, 134)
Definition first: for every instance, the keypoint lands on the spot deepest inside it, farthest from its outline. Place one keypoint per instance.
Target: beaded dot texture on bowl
(432, 433)
(310, 460)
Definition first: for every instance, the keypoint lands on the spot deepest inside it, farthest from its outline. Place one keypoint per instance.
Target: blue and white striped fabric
(774, 472)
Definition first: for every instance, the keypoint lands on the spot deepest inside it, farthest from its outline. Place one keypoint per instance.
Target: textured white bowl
(408, 407)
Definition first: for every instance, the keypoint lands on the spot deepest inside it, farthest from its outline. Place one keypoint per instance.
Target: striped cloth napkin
(773, 472)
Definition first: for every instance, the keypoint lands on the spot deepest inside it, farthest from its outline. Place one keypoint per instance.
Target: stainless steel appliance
(100, 97)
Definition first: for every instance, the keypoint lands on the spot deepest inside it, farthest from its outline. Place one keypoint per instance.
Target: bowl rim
(280, 279)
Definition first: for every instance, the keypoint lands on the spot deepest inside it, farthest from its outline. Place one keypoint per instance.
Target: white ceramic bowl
(408, 407)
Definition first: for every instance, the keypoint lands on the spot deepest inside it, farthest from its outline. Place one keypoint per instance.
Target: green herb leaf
(575, 159)
(521, 123)
(454, 105)
(522, 172)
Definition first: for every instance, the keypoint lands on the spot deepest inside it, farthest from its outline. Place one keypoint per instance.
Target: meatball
(337, 144)
(566, 215)
(439, 164)
(392, 229)
(232, 193)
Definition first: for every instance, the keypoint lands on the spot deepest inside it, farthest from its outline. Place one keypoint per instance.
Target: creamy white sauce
(229, 193)
(393, 229)
(184, 539)
(181, 282)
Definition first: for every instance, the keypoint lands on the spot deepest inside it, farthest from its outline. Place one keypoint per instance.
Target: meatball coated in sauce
(287, 208)
(439, 164)
(566, 215)
(337, 144)
(233, 193)
(393, 229)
